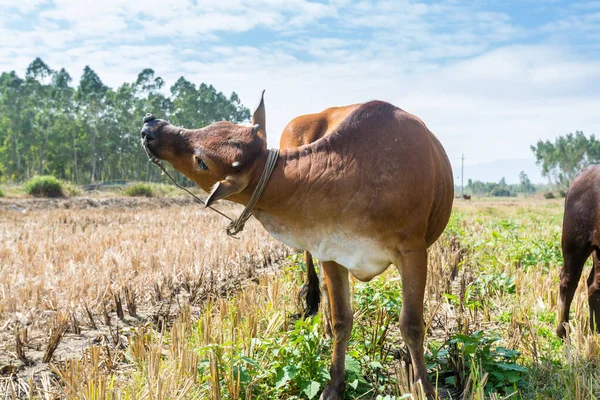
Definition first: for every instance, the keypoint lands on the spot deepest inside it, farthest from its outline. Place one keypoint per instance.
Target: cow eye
(202, 165)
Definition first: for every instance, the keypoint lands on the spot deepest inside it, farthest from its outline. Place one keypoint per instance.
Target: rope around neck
(235, 226)
(238, 225)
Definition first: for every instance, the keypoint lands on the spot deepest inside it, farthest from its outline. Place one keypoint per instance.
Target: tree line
(91, 132)
(502, 189)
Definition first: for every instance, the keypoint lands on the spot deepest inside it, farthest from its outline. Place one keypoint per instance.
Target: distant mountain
(493, 171)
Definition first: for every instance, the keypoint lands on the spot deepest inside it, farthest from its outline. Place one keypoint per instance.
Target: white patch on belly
(364, 257)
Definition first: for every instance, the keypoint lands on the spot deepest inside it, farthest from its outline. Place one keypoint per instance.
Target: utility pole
(462, 175)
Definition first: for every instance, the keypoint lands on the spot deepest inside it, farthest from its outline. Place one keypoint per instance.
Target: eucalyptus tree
(62, 152)
(14, 126)
(203, 105)
(90, 98)
(38, 79)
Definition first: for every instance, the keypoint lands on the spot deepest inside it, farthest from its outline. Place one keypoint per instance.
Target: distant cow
(580, 238)
(467, 197)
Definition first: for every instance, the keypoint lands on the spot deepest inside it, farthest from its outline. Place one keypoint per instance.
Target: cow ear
(224, 189)
(259, 118)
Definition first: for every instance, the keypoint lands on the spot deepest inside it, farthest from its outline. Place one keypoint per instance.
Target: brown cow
(580, 238)
(376, 191)
(302, 130)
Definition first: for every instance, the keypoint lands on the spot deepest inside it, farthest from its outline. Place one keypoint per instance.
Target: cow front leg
(338, 287)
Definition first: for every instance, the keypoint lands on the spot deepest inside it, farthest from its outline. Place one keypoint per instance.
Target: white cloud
(23, 5)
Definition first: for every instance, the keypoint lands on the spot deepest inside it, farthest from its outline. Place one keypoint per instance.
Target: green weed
(458, 358)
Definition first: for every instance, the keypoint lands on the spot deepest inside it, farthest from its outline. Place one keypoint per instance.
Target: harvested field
(103, 267)
(178, 310)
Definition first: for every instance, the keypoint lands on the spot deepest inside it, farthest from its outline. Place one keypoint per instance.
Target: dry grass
(63, 259)
(71, 277)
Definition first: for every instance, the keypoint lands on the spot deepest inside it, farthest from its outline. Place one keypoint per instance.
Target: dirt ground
(78, 203)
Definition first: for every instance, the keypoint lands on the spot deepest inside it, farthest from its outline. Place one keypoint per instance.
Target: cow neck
(238, 225)
(285, 187)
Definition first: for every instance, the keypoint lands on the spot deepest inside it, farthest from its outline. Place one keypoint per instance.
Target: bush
(549, 195)
(44, 186)
(71, 189)
(500, 192)
(140, 190)
(1, 193)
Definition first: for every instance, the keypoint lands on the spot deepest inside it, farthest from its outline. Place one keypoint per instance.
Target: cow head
(220, 157)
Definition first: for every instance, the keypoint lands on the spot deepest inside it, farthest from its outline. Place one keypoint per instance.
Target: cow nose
(147, 133)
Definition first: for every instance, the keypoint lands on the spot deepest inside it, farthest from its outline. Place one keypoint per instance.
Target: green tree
(37, 78)
(525, 185)
(91, 104)
(62, 152)
(200, 106)
(501, 189)
(563, 159)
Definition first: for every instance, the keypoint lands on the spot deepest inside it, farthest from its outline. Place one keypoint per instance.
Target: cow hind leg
(311, 290)
(574, 258)
(336, 277)
(413, 270)
(593, 283)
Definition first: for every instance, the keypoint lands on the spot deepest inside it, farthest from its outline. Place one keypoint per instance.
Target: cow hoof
(442, 393)
(332, 392)
(561, 330)
(428, 388)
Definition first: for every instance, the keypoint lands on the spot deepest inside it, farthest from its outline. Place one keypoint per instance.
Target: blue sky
(489, 78)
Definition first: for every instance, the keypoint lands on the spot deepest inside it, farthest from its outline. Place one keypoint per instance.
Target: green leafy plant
(380, 293)
(291, 365)
(380, 302)
(302, 363)
(44, 186)
(494, 284)
(458, 357)
(1, 193)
